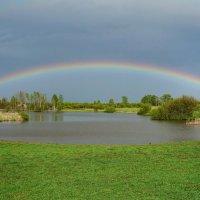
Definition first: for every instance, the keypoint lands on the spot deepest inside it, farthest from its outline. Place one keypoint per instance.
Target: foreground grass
(48, 171)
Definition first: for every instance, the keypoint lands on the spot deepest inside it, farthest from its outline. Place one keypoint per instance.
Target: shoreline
(195, 122)
(10, 117)
(96, 144)
(118, 110)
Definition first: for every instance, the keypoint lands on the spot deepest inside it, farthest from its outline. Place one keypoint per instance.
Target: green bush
(110, 109)
(178, 109)
(160, 113)
(24, 116)
(196, 114)
(95, 109)
(145, 109)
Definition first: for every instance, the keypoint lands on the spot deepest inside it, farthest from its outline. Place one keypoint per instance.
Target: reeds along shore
(6, 117)
(193, 122)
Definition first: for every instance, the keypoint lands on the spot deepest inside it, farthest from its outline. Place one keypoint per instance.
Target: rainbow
(95, 65)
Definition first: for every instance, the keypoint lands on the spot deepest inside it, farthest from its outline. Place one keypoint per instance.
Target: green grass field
(49, 171)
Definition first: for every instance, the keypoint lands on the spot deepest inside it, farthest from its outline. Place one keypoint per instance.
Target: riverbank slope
(8, 116)
(50, 171)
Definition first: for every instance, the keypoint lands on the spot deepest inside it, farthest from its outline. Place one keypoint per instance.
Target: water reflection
(97, 128)
(47, 117)
(57, 117)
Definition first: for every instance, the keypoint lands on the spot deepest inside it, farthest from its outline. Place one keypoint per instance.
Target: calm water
(96, 128)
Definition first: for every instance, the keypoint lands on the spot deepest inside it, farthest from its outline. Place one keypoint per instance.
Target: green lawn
(49, 171)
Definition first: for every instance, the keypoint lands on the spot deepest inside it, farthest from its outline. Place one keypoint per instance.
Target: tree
(124, 100)
(38, 101)
(60, 103)
(165, 98)
(28, 101)
(111, 101)
(151, 99)
(13, 103)
(4, 103)
(21, 100)
(44, 102)
(54, 101)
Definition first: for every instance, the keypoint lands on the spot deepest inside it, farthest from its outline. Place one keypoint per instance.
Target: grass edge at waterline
(11, 117)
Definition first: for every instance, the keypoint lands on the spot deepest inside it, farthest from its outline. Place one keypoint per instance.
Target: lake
(96, 128)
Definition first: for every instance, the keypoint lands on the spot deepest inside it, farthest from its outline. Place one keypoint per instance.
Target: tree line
(36, 101)
(161, 108)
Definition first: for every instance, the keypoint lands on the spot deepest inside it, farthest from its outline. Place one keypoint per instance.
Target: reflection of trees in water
(47, 116)
(57, 116)
(40, 117)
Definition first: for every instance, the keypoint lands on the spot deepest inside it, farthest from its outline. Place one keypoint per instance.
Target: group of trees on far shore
(162, 108)
(36, 101)
(155, 100)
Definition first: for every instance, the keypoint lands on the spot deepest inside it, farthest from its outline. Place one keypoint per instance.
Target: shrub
(95, 109)
(178, 109)
(13, 119)
(24, 116)
(145, 109)
(196, 114)
(160, 113)
(110, 109)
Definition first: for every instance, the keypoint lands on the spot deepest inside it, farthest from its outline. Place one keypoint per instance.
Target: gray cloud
(155, 32)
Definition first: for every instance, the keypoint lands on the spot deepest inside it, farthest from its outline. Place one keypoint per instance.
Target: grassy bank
(118, 110)
(47, 171)
(81, 110)
(5, 116)
(127, 110)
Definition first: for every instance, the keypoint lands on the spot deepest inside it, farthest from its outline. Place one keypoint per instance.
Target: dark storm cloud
(39, 32)
(158, 32)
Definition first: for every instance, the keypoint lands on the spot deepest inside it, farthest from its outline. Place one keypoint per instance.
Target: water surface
(96, 128)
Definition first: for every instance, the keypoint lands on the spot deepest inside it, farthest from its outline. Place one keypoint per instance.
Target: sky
(42, 32)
